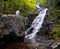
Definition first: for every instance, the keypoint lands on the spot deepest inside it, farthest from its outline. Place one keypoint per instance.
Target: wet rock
(29, 19)
(56, 45)
(42, 43)
(47, 27)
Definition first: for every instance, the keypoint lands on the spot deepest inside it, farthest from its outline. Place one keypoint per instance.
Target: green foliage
(25, 6)
(53, 15)
(54, 35)
(6, 7)
(43, 2)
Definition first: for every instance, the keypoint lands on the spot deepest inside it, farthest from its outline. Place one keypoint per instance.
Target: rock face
(47, 27)
(42, 43)
(29, 20)
(11, 29)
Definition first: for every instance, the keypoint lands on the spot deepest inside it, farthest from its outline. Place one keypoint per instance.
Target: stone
(11, 29)
(31, 17)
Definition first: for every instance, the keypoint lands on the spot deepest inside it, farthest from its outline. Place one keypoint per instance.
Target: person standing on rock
(18, 13)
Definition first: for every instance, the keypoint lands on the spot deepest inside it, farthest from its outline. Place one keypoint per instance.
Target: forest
(27, 7)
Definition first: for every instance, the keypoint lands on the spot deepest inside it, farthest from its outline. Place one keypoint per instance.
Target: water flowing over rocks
(37, 23)
(42, 43)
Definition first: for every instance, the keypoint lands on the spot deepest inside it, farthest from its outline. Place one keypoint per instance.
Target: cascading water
(36, 24)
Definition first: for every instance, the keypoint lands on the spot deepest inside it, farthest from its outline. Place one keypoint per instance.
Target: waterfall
(36, 24)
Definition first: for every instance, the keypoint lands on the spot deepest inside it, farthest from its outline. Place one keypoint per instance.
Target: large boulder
(11, 29)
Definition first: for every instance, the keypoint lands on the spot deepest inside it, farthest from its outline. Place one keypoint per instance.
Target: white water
(36, 24)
